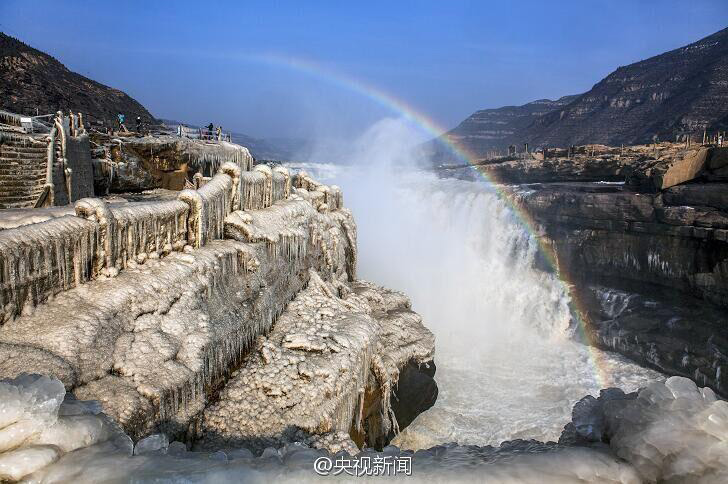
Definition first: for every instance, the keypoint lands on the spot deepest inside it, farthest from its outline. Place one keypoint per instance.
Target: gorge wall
(648, 266)
(674, 94)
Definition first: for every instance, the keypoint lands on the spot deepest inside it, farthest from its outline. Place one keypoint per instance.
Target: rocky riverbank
(671, 432)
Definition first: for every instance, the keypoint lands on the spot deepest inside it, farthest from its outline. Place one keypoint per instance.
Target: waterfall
(507, 367)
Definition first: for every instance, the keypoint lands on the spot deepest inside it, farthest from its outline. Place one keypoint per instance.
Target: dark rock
(588, 423)
(703, 194)
(663, 329)
(416, 391)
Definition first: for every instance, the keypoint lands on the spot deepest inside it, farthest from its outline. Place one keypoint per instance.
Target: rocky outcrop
(137, 163)
(158, 309)
(328, 367)
(646, 259)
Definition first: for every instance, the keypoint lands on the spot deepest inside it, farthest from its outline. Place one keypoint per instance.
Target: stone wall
(78, 160)
(27, 180)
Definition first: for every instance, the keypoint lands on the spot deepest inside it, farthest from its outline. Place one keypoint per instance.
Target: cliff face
(679, 92)
(494, 129)
(647, 262)
(31, 79)
(161, 308)
(641, 234)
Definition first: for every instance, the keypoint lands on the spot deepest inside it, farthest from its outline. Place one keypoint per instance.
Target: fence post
(97, 211)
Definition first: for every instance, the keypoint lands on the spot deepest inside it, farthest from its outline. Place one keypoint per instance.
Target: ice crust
(40, 422)
(671, 432)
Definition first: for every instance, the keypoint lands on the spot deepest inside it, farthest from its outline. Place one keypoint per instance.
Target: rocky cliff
(683, 91)
(492, 130)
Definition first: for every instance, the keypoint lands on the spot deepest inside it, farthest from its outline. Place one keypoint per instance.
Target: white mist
(506, 367)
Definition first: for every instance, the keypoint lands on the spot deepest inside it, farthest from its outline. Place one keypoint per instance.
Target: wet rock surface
(663, 255)
(643, 225)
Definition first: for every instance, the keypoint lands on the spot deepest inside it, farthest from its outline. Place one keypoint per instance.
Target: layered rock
(645, 249)
(150, 307)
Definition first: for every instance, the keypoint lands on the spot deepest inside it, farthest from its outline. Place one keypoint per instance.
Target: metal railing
(200, 133)
(26, 124)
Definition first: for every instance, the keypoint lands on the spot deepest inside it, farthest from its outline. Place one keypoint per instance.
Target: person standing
(219, 133)
(120, 117)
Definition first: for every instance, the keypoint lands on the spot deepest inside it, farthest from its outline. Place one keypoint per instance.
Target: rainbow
(411, 115)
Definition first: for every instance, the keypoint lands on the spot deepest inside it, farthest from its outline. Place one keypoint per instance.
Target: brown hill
(679, 92)
(31, 79)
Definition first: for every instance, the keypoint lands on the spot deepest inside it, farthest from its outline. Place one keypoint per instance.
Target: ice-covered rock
(39, 423)
(154, 443)
(331, 355)
(671, 432)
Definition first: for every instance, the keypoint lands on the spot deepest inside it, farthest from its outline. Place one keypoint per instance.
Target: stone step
(11, 174)
(7, 183)
(23, 149)
(6, 158)
(18, 202)
(23, 162)
(21, 193)
(21, 170)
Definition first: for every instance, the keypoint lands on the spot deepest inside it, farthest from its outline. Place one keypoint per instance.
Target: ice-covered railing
(134, 232)
(40, 260)
(209, 205)
(318, 193)
(263, 186)
(210, 162)
(43, 259)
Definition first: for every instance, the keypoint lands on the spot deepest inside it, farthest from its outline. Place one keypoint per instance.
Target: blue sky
(200, 61)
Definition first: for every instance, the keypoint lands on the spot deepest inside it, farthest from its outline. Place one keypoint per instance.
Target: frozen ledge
(325, 373)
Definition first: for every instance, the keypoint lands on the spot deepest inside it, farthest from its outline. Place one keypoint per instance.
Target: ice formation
(671, 432)
(310, 374)
(154, 341)
(40, 422)
(40, 260)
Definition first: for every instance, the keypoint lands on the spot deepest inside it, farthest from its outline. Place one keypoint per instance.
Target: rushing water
(506, 366)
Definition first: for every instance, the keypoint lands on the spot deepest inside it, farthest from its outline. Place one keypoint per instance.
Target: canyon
(172, 307)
